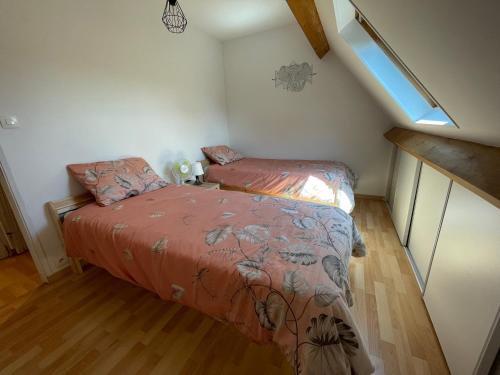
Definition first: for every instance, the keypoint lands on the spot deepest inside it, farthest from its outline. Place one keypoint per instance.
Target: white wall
(451, 46)
(92, 80)
(334, 118)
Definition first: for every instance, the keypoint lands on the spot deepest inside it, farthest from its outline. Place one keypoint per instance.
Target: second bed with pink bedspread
(277, 269)
(326, 182)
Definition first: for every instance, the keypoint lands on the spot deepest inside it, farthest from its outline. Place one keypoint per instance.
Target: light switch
(9, 122)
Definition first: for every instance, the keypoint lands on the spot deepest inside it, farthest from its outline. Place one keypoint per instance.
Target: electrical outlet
(10, 122)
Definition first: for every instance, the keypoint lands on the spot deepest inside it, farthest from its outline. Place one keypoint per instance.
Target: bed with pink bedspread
(277, 269)
(326, 182)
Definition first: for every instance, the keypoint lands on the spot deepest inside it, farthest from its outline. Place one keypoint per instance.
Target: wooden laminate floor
(18, 279)
(96, 324)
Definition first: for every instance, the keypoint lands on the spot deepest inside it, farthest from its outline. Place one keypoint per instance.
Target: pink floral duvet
(277, 269)
(327, 182)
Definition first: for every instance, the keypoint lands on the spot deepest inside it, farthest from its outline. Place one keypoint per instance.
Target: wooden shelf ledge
(472, 165)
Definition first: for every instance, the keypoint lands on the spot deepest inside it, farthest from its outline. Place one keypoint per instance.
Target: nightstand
(206, 185)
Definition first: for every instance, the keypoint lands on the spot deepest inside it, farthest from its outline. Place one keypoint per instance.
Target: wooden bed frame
(59, 209)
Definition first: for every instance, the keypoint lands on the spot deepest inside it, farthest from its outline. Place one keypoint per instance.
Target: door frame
(25, 225)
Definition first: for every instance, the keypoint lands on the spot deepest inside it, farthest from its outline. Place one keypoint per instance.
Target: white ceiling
(229, 19)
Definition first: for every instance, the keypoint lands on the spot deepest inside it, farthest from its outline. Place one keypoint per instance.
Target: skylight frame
(377, 38)
(409, 93)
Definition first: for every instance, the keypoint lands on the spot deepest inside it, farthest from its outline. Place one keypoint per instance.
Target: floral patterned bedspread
(327, 182)
(275, 268)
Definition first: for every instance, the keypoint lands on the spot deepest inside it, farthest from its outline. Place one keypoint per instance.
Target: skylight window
(386, 66)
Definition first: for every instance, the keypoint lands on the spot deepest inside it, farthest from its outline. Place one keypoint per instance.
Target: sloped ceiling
(451, 46)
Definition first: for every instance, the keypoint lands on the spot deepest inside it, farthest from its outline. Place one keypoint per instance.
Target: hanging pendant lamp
(173, 17)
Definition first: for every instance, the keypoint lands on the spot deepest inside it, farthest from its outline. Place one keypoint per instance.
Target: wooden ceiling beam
(308, 18)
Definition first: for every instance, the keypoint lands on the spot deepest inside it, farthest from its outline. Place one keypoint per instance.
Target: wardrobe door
(430, 201)
(393, 178)
(462, 294)
(407, 169)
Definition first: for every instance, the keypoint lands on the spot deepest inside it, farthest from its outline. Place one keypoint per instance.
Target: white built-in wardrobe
(452, 237)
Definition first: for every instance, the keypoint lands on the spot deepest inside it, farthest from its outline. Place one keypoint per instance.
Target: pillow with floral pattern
(221, 154)
(113, 181)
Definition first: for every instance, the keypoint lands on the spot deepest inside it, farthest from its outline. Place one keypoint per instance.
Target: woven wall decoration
(294, 76)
